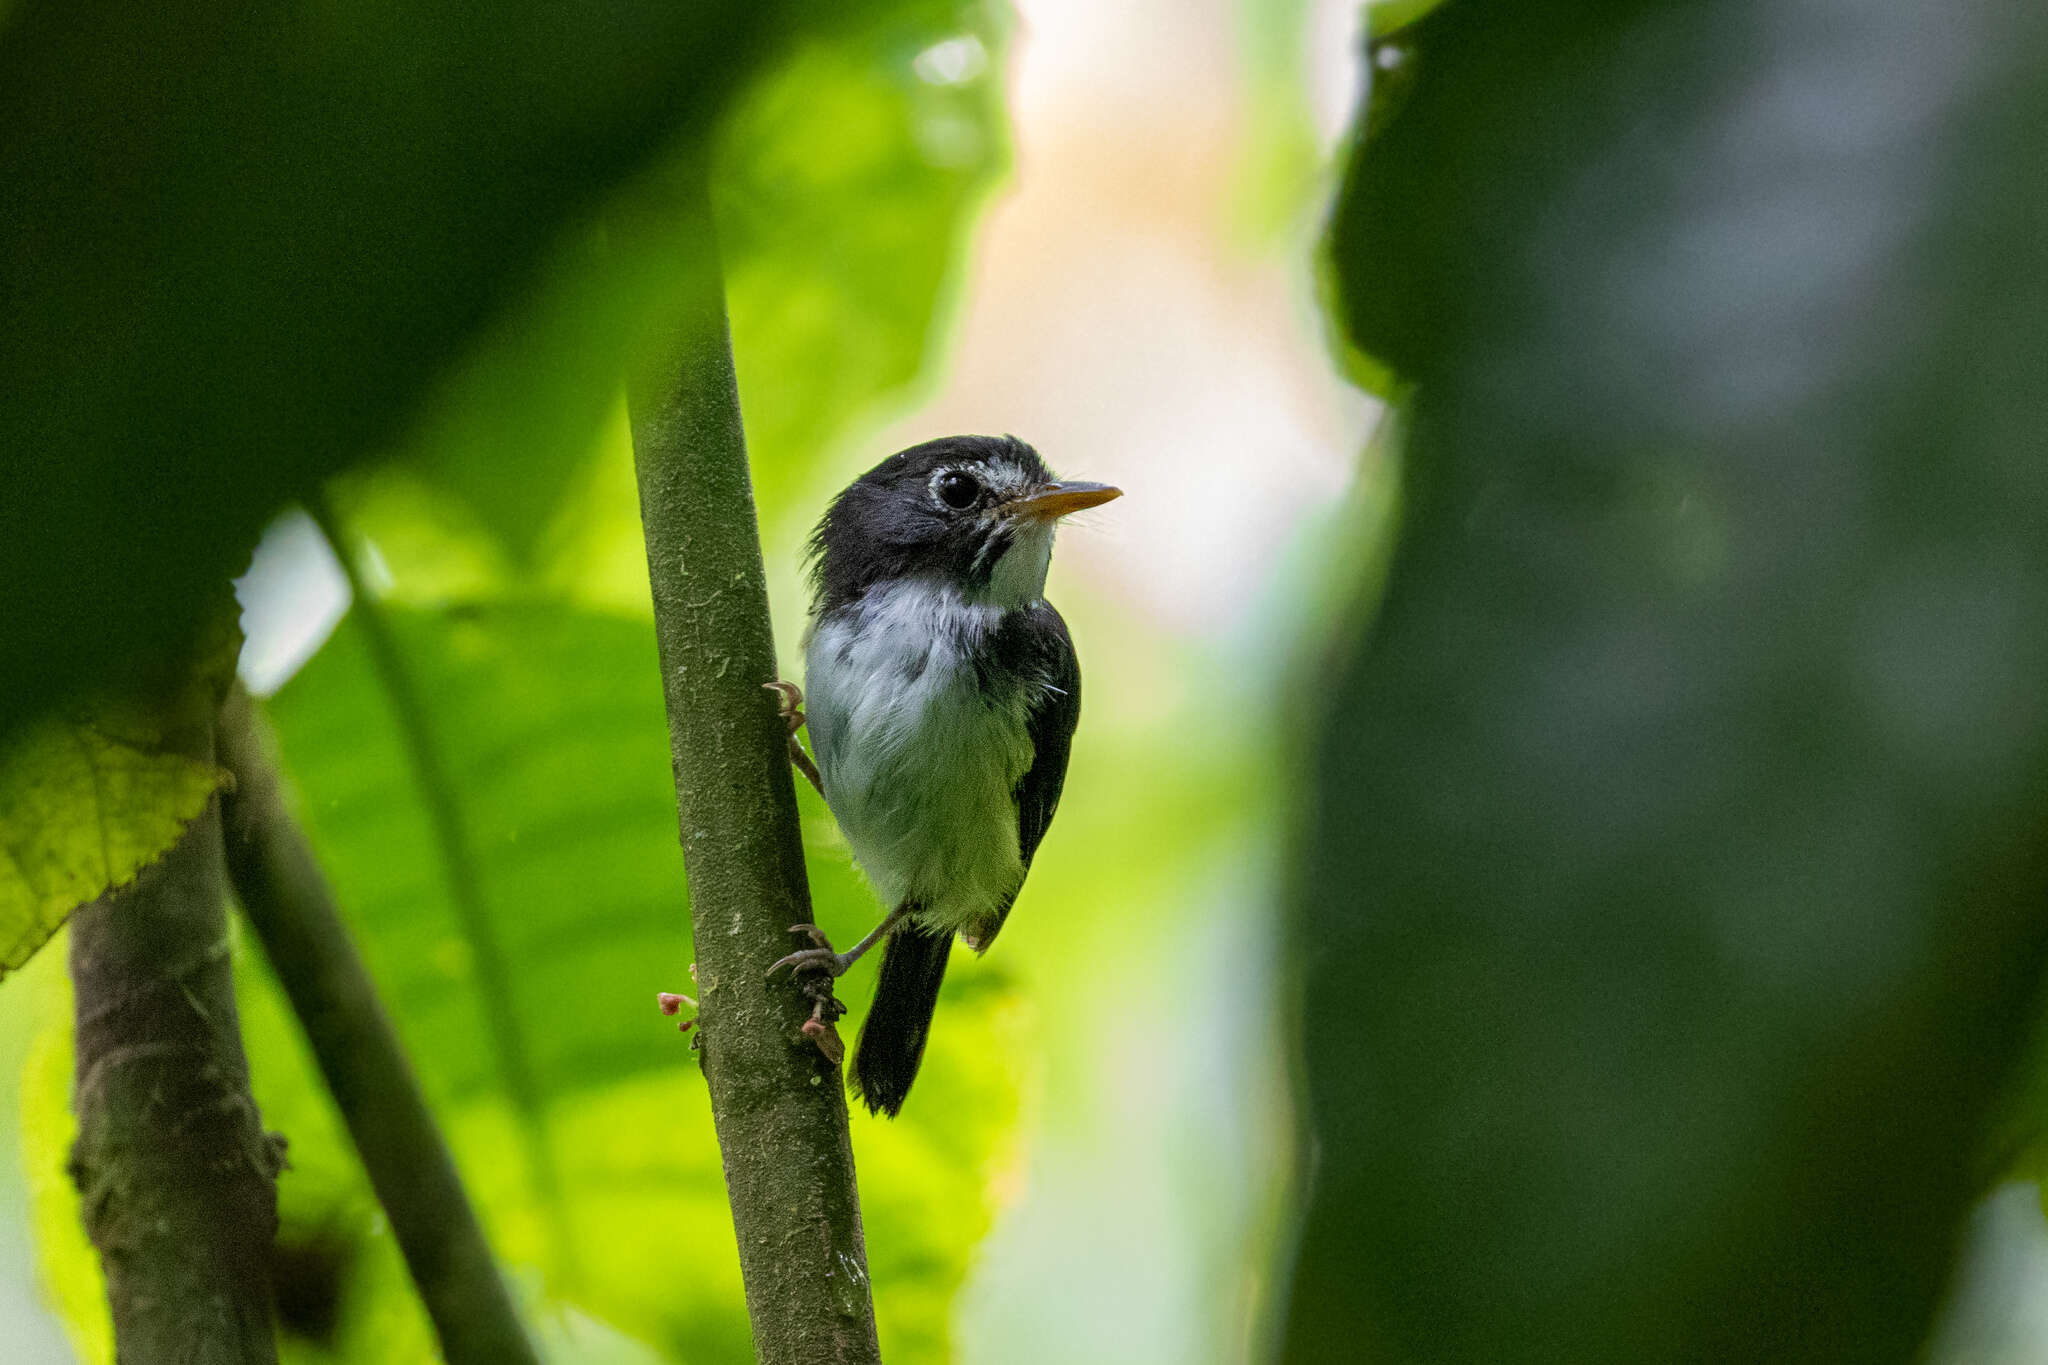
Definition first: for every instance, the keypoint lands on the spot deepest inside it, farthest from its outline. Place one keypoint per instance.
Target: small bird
(943, 698)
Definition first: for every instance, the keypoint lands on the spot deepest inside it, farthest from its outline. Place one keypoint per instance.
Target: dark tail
(892, 1039)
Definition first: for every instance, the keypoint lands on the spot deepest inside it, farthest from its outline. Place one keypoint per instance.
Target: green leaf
(1386, 18)
(240, 246)
(542, 715)
(81, 812)
(845, 189)
(1669, 907)
(91, 796)
(845, 179)
(72, 1280)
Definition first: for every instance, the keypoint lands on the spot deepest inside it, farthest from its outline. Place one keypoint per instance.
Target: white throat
(1019, 576)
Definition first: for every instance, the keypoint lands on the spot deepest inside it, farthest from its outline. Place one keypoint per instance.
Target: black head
(976, 511)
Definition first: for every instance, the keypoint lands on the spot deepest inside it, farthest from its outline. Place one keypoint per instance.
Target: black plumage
(1042, 647)
(892, 1037)
(884, 527)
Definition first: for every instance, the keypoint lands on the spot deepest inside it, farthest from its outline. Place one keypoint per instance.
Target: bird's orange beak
(1058, 499)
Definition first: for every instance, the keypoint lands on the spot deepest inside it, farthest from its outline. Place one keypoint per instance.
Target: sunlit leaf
(70, 1269)
(1385, 18)
(846, 187)
(92, 795)
(81, 812)
(542, 714)
(1280, 161)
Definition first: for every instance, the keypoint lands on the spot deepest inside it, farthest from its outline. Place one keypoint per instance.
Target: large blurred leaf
(544, 715)
(238, 243)
(541, 715)
(1672, 898)
(845, 182)
(846, 187)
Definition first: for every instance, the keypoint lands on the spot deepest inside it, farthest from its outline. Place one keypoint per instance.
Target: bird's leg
(789, 705)
(821, 958)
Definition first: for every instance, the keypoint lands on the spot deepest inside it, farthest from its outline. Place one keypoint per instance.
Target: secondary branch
(498, 990)
(288, 902)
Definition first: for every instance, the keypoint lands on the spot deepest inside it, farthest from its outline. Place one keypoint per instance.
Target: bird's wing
(1050, 723)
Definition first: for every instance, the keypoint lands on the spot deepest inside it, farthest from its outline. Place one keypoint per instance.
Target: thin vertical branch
(778, 1103)
(287, 899)
(176, 1175)
(497, 992)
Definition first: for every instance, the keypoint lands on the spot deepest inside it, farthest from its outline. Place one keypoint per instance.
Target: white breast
(919, 764)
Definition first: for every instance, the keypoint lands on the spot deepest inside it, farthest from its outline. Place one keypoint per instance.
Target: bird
(942, 697)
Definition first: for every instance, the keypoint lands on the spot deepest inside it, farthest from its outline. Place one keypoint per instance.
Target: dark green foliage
(1670, 910)
(838, 228)
(238, 244)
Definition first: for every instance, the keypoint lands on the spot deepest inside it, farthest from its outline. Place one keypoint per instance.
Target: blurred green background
(1602, 804)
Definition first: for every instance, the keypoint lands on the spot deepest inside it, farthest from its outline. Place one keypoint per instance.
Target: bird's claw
(819, 957)
(789, 703)
(813, 971)
(813, 960)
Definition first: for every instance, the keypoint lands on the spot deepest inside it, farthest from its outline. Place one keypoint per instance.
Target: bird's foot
(816, 960)
(789, 704)
(813, 970)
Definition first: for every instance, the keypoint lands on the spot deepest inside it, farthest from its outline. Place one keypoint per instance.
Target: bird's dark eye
(958, 490)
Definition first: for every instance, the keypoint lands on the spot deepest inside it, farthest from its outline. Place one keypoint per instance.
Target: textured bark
(779, 1105)
(292, 909)
(177, 1175)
